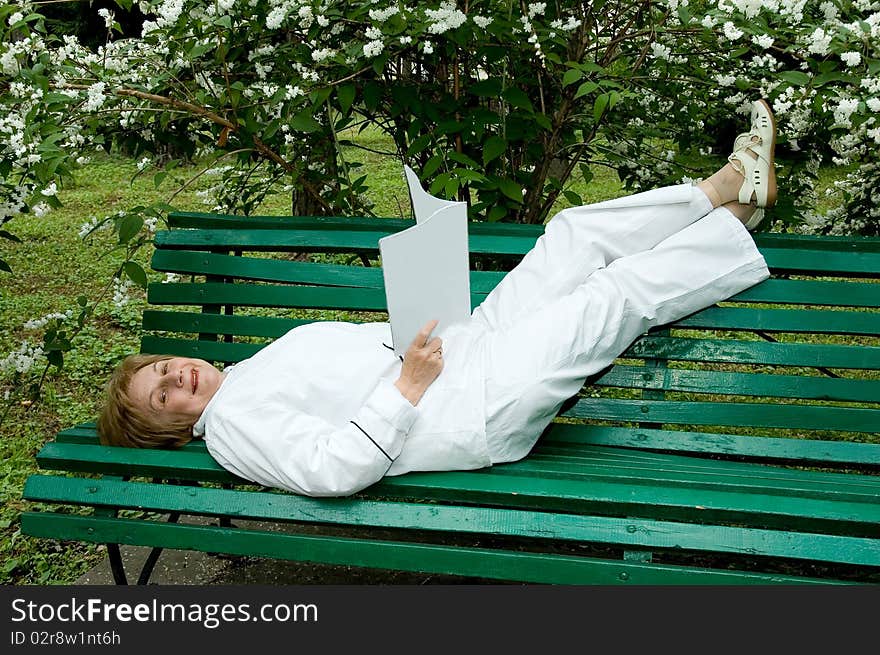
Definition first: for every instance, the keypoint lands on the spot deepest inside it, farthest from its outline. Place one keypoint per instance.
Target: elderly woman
(328, 409)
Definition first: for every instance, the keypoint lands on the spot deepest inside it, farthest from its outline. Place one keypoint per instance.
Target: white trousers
(596, 280)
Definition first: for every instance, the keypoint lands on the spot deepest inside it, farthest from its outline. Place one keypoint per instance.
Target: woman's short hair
(123, 423)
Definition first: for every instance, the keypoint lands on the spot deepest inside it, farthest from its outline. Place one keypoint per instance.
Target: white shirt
(317, 413)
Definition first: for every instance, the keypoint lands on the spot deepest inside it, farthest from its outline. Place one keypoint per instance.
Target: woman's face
(175, 389)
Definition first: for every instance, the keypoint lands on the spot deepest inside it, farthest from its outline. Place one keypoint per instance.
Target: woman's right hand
(422, 364)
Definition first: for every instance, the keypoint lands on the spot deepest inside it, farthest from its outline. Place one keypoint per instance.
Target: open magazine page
(426, 267)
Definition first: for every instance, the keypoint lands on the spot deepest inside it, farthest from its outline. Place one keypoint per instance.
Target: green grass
(52, 267)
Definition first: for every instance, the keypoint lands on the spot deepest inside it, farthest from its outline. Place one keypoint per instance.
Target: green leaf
(346, 95)
(318, 97)
(518, 98)
(599, 106)
(462, 159)
(128, 227)
(451, 187)
(379, 63)
(4, 266)
(571, 76)
(832, 76)
(198, 50)
(135, 273)
(419, 144)
(158, 178)
(305, 122)
(490, 88)
(497, 213)
(511, 189)
(493, 148)
(573, 197)
(585, 88)
(372, 95)
(431, 166)
(55, 358)
(795, 77)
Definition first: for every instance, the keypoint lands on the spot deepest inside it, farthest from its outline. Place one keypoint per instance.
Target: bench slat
(366, 241)
(548, 490)
(571, 456)
(792, 416)
(403, 556)
(807, 451)
(348, 298)
(756, 352)
(793, 259)
(812, 292)
(784, 320)
(755, 447)
(745, 384)
(186, 219)
(651, 346)
(270, 506)
(236, 324)
(510, 487)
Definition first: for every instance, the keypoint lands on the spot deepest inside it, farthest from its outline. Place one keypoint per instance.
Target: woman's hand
(422, 364)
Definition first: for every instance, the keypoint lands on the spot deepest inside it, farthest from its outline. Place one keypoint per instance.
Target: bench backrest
(795, 356)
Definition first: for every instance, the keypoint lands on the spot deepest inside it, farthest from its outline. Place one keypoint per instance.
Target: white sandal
(759, 171)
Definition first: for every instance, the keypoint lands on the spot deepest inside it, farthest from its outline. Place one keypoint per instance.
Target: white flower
(41, 209)
(95, 98)
(762, 40)
(169, 11)
(708, 22)
(844, 111)
(660, 51)
(405, 40)
(17, 16)
(121, 290)
(851, 58)
(50, 190)
(731, 31)
(482, 22)
(820, 42)
(873, 104)
(447, 17)
(108, 17)
(829, 10)
(537, 9)
(373, 48)
(276, 17)
(9, 63)
(381, 15)
(427, 47)
(322, 54)
(37, 323)
(21, 360)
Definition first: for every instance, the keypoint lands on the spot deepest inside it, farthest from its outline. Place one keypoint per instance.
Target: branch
(261, 147)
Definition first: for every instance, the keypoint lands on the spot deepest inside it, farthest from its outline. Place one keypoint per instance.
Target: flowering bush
(496, 102)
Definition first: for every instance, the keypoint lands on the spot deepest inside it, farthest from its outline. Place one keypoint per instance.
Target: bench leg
(153, 557)
(116, 566)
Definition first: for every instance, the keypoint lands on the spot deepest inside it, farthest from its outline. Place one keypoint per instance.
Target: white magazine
(426, 267)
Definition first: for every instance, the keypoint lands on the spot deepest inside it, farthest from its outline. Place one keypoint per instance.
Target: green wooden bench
(739, 445)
